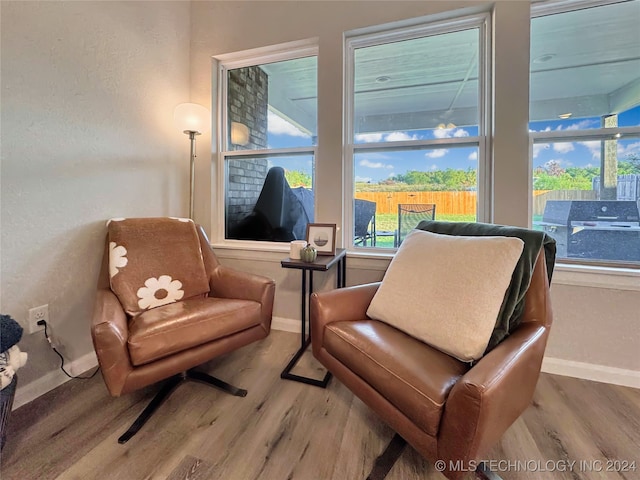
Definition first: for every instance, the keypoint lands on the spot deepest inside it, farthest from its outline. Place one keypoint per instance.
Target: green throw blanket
(513, 303)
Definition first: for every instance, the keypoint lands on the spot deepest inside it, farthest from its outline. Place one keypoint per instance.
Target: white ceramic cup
(296, 246)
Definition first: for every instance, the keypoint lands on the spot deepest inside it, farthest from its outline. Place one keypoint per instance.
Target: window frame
(224, 63)
(556, 7)
(482, 141)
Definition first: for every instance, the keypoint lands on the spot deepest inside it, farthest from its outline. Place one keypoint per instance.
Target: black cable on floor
(62, 358)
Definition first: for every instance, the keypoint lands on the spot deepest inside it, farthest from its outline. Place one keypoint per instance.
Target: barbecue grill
(594, 229)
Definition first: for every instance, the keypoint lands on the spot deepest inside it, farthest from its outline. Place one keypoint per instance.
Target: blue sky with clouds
(582, 154)
(376, 166)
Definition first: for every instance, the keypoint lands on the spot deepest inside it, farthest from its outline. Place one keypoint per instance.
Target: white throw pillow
(447, 290)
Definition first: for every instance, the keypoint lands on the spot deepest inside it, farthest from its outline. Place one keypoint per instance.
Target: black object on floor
(169, 386)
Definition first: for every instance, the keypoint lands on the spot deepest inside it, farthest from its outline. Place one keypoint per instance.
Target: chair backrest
(154, 262)
(410, 214)
(364, 226)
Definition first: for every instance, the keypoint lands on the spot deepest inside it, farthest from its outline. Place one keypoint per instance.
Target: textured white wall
(598, 326)
(88, 91)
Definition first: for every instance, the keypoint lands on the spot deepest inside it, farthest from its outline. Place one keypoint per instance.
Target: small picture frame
(322, 236)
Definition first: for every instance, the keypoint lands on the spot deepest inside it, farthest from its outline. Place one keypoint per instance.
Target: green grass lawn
(388, 222)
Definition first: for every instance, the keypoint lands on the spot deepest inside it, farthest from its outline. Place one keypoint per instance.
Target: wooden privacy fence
(540, 197)
(462, 203)
(446, 202)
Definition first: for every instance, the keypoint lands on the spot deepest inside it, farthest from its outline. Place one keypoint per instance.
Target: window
(269, 110)
(585, 131)
(417, 127)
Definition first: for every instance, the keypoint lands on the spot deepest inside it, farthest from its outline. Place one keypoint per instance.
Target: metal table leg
(305, 340)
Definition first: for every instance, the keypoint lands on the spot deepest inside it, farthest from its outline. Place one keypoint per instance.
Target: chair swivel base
(169, 386)
(385, 462)
(388, 458)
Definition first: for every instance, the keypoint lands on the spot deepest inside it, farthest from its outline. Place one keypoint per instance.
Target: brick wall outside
(247, 104)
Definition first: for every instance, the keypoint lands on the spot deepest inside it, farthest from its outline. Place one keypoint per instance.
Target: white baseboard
(46, 383)
(590, 371)
(556, 366)
(286, 324)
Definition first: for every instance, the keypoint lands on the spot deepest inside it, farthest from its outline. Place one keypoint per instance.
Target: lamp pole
(192, 119)
(192, 177)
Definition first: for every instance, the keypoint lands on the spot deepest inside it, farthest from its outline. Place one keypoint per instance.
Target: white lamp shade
(192, 117)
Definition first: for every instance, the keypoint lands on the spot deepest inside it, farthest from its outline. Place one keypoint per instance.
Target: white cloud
(564, 147)
(369, 137)
(547, 129)
(400, 136)
(370, 164)
(626, 150)
(473, 156)
(279, 126)
(594, 148)
(450, 132)
(388, 137)
(434, 167)
(581, 125)
(437, 153)
(538, 147)
(379, 156)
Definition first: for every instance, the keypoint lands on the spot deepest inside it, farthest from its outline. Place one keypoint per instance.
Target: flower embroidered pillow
(154, 262)
(447, 290)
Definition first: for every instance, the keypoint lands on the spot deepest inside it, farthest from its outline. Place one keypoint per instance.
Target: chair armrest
(110, 331)
(226, 282)
(342, 304)
(492, 395)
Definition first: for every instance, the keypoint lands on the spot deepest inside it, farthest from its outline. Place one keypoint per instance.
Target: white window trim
(579, 274)
(611, 133)
(571, 275)
(552, 7)
(270, 54)
(223, 63)
(482, 21)
(576, 267)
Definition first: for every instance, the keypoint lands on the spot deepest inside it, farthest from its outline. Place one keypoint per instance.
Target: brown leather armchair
(445, 409)
(147, 331)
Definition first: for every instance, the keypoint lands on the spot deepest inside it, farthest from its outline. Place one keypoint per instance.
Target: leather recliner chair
(444, 408)
(145, 331)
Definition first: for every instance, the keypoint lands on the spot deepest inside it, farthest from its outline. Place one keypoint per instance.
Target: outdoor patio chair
(410, 215)
(364, 227)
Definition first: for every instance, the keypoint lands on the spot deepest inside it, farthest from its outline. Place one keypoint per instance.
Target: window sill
(564, 274)
(254, 251)
(597, 277)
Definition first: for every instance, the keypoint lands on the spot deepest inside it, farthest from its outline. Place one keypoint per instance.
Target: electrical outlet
(35, 315)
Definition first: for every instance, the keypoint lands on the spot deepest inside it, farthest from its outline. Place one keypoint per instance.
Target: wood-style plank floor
(287, 430)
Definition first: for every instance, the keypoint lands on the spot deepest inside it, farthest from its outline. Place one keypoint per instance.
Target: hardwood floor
(287, 430)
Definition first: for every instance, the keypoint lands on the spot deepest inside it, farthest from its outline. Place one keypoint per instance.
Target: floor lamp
(192, 119)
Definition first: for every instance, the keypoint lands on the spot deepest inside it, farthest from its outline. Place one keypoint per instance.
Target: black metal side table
(322, 264)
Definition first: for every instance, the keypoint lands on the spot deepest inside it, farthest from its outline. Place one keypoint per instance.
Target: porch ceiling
(572, 78)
